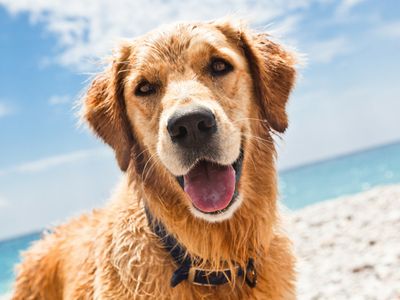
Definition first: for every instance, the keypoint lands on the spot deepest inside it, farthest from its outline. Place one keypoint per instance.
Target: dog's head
(184, 102)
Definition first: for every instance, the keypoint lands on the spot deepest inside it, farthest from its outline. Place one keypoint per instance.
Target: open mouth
(212, 187)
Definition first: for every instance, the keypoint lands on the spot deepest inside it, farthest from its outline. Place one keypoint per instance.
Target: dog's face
(188, 99)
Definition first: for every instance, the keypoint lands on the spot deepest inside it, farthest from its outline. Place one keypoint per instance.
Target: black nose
(192, 128)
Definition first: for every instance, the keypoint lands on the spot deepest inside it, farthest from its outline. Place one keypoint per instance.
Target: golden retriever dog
(190, 111)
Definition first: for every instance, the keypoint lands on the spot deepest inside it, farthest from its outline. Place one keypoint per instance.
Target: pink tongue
(210, 186)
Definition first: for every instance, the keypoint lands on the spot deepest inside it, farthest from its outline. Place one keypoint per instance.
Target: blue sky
(347, 97)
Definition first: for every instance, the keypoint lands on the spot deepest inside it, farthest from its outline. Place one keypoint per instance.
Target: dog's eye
(145, 88)
(220, 67)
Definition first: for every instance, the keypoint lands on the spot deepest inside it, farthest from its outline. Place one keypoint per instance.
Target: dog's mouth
(212, 187)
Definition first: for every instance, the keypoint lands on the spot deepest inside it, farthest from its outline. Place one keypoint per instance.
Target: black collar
(186, 271)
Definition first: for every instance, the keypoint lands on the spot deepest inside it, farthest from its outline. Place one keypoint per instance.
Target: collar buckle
(251, 274)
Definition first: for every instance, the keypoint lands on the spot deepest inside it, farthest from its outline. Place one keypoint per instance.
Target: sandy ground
(349, 247)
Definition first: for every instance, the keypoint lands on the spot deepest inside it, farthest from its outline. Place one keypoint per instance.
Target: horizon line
(338, 156)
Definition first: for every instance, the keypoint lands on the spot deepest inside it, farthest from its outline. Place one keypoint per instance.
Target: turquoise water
(299, 187)
(9, 256)
(343, 175)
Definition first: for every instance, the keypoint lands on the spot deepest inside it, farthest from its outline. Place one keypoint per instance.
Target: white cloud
(59, 99)
(327, 50)
(87, 29)
(347, 5)
(5, 110)
(389, 30)
(54, 161)
(287, 26)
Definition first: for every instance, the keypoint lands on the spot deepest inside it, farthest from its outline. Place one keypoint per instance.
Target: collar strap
(186, 271)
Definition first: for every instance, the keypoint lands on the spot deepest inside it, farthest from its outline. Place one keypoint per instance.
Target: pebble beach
(349, 247)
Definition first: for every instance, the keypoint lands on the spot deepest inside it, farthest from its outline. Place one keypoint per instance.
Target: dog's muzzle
(210, 184)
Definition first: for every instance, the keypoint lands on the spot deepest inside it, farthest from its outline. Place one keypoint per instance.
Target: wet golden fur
(111, 253)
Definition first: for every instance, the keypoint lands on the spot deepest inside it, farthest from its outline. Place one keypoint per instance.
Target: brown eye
(220, 67)
(145, 88)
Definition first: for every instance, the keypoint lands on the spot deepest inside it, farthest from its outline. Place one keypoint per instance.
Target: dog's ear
(272, 70)
(104, 108)
(273, 73)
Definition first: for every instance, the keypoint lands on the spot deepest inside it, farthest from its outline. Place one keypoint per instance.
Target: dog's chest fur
(127, 261)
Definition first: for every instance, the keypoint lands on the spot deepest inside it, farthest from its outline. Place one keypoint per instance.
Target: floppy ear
(104, 109)
(273, 73)
(272, 70)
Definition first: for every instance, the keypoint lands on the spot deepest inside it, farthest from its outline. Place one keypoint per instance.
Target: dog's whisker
(150, 170)
(161, 201)
(144, 173)
(250, 119)
(151, 157)
(258, 138)
(264, 142)
(153, 163)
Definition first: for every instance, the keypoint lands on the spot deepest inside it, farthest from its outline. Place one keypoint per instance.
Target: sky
(346, 98)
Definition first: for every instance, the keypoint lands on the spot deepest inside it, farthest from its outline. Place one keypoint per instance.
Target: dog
(191, 111)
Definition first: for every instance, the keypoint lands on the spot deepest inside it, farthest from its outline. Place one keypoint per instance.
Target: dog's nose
(192, 128)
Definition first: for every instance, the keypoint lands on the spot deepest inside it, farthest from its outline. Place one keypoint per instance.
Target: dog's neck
(187, 265)
(246, 234)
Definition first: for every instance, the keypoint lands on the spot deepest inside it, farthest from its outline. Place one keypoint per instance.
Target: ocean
(299, 187)
(9, 255)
